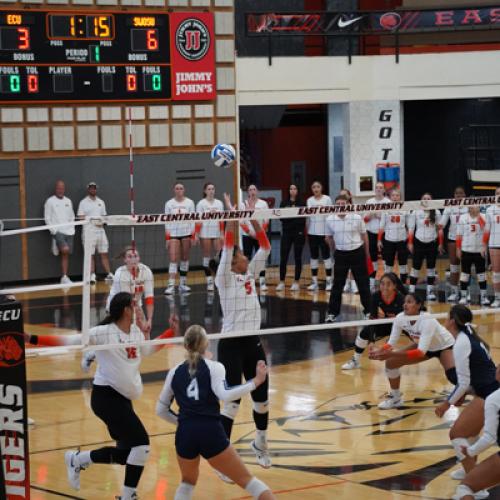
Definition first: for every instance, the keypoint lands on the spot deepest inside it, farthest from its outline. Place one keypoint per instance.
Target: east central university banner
(13, 404)
(192, 43)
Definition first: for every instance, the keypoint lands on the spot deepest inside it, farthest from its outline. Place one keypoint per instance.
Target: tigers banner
(13, 404)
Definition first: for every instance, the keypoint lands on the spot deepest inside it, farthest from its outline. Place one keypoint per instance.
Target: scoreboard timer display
(48, 56)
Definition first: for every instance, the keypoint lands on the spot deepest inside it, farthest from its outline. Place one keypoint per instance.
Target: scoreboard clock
(49, 56)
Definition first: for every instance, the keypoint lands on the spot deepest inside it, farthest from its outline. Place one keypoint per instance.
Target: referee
(346, 234)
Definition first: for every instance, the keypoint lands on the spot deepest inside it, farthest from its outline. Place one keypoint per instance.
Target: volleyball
(223, 155)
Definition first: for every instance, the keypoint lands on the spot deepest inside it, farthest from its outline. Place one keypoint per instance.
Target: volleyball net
(67, 312)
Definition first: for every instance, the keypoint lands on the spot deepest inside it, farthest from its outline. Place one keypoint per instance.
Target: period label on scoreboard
(48, 56)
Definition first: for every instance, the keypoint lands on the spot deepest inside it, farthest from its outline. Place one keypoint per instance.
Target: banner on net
(282, 213)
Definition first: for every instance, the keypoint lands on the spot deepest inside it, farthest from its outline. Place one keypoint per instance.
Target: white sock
(184, 491)
(411, 289)
(261, 439)
(127, 492)
(396, 393)
(356, 356)
(84, 458)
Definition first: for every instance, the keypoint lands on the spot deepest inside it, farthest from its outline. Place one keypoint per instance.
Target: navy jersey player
(475, 373)
(197, 385)
(385, 303)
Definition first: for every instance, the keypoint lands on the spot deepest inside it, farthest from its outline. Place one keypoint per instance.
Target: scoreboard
(49, 56)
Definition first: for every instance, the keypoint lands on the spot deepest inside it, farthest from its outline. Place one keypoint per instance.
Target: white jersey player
(429, 340)
(249, 238)
(392, 238)
(470, 251)
(316, 230)
(372, 221)
(452, 215)
(425, 240)
(178, 237)
(93, 206)
(235, 280)
(209, 232)
(492, 241)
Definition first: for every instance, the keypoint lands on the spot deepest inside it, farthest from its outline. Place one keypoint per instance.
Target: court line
(301, 488)
(54, 492)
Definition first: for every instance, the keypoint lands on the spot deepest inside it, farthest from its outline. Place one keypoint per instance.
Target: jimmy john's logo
(11, 349)
(192, 39)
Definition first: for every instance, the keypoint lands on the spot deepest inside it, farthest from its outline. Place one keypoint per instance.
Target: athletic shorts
(99, 240)
(60, 241)
(436, 354)
(180, 238)
(203, 436)
(485, 391)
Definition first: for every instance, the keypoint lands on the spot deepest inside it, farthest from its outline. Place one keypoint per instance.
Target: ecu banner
(13, 404)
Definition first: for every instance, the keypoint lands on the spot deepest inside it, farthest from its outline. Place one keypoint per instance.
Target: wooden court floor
(327, 437)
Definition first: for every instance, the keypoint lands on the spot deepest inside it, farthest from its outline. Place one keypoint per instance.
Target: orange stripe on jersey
(265, 225)
(197, 227)
(167, 235)
(481, 221)
(245, 227)
(410, 238)
(221, 226)
(459, 242)
(263, 240)
(486, 237)
(380, 235)
(229, 239)
(149, 300)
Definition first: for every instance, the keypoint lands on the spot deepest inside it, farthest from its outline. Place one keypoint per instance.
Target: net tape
(48, 351)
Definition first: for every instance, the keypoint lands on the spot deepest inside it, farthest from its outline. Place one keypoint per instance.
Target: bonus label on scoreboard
(48, 56)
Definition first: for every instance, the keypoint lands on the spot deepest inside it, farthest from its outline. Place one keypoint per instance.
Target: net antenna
(134, 269)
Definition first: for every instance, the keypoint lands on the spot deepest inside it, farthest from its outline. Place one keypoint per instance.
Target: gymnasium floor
(327, 437)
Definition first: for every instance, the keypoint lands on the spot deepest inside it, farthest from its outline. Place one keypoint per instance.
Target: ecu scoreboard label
(92, 56)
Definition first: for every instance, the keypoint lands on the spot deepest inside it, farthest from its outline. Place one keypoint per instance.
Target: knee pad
(138, 455)
(256, 487)
(464, 277)
(172, 268)
(393, 372)
(462, 491)
(431, 273)
(206, 261)
(454, 268)
(451, 375)
(388, 269)
(261, 407)
(414, 272)
(328, 263)
(375, 265)
(361, 342)
(314, 264)
(481, 277)
(403, 269)
(458, 444)
(496, 277)
(230, 410)
(184, 267)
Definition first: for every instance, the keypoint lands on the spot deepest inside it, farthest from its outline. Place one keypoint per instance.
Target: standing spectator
(59, 210)
(178, 239)
(93, 206)
(372, 221)
(347, 235)
(316, 237)
(293, 234)
(249, 238)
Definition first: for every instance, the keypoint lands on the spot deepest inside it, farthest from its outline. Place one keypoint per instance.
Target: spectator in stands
(59, 210)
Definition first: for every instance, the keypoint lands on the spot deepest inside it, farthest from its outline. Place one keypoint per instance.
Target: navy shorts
(436, 354)
(200, 436)
(485, 391)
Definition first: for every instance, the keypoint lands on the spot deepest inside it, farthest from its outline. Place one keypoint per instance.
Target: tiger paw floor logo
(192, 39)
(11, 351)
